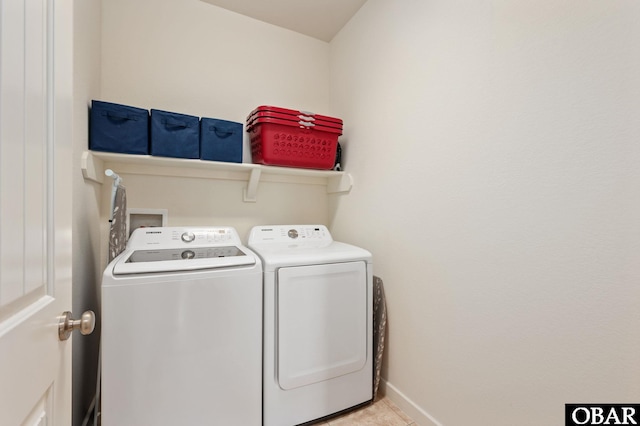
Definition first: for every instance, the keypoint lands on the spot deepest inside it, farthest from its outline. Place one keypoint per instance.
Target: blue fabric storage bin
(118, 128)
(174, 135)
(220, 140)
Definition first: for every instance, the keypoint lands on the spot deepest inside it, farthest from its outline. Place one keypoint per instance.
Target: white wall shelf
(94, 164)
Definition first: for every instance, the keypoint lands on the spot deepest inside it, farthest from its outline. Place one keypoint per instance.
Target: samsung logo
(601, 414)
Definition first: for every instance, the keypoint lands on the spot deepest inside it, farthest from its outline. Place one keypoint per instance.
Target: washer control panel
(171, 249)
(289, 233)
(176, 237)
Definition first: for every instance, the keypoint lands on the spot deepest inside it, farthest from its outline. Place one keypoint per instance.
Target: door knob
(85, 324)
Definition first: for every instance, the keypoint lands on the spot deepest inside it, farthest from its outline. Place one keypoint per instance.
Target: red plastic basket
(296, 118)
(296, 115)
(279, 142)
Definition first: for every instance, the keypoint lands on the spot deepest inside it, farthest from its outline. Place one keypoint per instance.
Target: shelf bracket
(249, 195)
(92, 167)
(339, 184)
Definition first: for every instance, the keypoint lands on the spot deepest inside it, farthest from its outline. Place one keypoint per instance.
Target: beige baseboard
(410, 408)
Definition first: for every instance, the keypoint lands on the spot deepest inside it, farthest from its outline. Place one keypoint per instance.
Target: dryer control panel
(290, 233)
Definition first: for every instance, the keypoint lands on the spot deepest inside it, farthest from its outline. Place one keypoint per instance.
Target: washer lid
(181, 259)
(174, 249)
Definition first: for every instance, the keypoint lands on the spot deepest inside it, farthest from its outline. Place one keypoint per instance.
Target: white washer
(317, 323)
(182, 330)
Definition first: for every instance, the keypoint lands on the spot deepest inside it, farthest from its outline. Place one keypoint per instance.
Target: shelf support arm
(92, 167)
(340, 184)
(251, 190)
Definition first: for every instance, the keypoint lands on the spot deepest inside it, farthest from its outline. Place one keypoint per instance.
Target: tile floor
(382, 412)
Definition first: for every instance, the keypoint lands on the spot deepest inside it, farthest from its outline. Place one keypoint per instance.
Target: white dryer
(182, 330)
(317, 323)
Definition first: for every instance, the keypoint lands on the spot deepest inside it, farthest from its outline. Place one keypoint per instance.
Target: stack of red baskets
(286, 137)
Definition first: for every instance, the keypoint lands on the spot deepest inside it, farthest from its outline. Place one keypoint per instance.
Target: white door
(35, 210)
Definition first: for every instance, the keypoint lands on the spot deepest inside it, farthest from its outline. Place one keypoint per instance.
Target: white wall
(190, 57)
(495, 151)
(87, 244)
